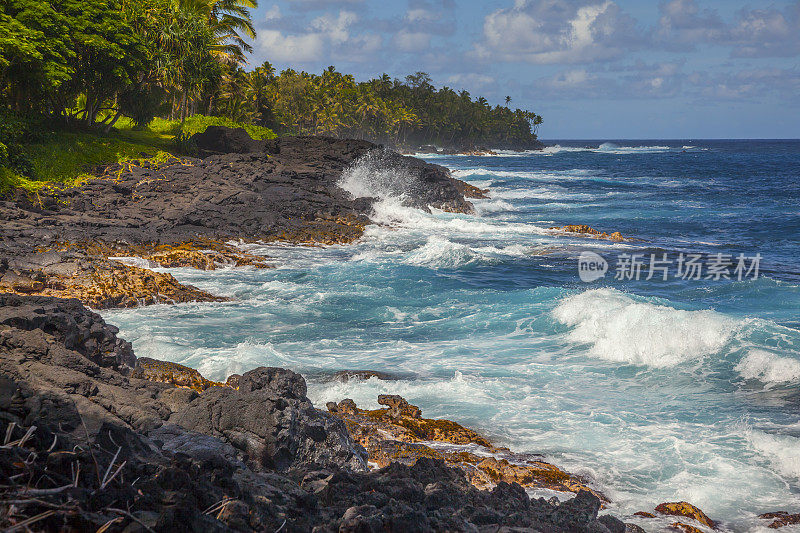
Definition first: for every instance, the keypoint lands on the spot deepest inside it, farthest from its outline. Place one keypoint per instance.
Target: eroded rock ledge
(88, 444)
(184, 212)
(398, 433)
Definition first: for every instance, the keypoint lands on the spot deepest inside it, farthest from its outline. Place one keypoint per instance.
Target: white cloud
(748, 84)
(682, 24)
(273, 13)
(421, 15)
(408, 41)
(326, 37)
(289, 48)
(768, 32)
(472, 80)
(572, 79)
(335, 28)
(557, 31)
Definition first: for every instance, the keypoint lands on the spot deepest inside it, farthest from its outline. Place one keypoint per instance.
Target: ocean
(684, 388)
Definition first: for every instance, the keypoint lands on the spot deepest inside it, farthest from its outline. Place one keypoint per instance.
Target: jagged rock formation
(181, 212)
(398, 433)
(587, 231)
(87, 445)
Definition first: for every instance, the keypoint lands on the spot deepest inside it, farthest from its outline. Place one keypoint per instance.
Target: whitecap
(441, 253)
(768, 367)
(492, 206)
(620, 328)
(782, 451)
(612, 148)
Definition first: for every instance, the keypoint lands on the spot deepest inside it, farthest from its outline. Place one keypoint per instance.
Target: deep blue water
(655, 390)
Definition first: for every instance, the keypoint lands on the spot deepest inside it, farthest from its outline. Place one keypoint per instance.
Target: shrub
(142, 103)
(199, 123)
(15, 132)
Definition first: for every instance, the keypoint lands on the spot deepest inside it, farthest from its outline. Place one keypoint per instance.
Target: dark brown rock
(781, 519)
(398, 406)
(261, 458)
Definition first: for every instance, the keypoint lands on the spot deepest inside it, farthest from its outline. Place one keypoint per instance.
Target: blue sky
(593, 69)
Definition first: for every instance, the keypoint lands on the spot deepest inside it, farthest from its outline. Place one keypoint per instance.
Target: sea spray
(643, 386)
(619, 328)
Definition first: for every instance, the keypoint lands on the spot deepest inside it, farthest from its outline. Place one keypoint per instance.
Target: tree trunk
(110, 125)
(183, 107)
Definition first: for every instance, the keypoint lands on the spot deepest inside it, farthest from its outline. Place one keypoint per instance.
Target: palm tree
(231, 23)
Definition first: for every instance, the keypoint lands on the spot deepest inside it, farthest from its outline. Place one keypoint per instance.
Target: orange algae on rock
(398, 433)
(583, 229)
(172, 373)
(102, 284)
(685, 509)
(685, 528)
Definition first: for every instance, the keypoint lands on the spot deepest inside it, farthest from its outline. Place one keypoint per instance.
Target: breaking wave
(373, 176)
(441, 253)
(768, 367)
(620, 328)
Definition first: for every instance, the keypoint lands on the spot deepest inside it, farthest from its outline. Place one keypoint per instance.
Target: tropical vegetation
(109, 68)
(402, 113)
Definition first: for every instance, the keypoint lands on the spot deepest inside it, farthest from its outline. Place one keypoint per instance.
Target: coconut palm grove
(104, 67)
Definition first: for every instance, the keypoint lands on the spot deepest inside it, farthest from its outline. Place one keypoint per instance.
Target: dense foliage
(87, 63)
(91, 61)
(409, 112)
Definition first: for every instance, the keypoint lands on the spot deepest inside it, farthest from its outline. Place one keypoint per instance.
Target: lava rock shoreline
(94, 438)
(90, 444)
(185, 211)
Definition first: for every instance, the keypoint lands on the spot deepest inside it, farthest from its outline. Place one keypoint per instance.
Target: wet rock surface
(94, 280)
(685, 509)
(399, 433)
(89, 445)
(182, 211)
(587, 231)
(780, 519)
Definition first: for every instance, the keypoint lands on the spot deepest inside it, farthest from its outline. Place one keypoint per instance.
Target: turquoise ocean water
(655, 390)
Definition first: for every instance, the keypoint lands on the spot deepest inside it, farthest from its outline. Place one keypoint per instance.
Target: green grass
(65, 157)
(199, 123)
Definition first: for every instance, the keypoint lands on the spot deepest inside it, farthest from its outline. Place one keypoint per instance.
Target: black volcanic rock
(112, 449)
(284, 189)
(272, 422)
(71, 325)
(222, 140)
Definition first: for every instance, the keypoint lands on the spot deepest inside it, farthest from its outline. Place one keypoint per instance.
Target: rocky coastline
(96, 438)
(186, 211)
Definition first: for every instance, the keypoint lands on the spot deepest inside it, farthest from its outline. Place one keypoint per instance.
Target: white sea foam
(620, 328)
(782, 451)
(426, 392)
(391, 212)
(492, 206)
(372, 177)
(554, 192)
(513, 250)
(612, 148)
(768, 367)
(440, 252)
(468, 173)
